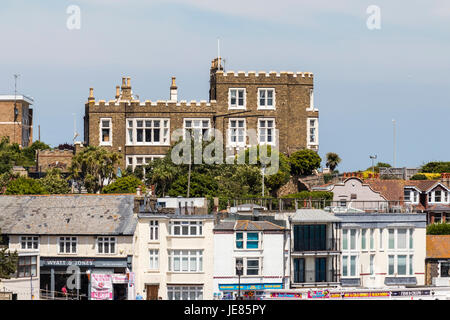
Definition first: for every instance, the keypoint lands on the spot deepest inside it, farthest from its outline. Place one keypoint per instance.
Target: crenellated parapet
(263, 76)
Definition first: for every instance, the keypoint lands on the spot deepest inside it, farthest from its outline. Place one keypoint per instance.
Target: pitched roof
(314, 215)
(438, 246)
(248, 225)
(68, 214)
(391, 190)
(422, 185)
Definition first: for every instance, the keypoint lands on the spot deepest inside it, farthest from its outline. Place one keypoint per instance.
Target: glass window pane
(344, 239)
(391, 265)
(401, 239)
(353, 239)
(344, 266)
(401, 265)
(353, 266)
(391, 238)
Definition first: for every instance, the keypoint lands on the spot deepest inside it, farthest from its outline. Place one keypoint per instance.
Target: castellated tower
(279, 107)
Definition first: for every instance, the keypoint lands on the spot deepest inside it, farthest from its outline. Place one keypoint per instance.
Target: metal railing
(58, 295)
(292, 204)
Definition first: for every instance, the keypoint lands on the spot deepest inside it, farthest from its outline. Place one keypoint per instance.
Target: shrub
(438, 229)
(314, 195)
(126, 184)
(24, 185)
(419, 176)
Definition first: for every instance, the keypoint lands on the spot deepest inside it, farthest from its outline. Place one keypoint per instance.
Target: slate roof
(314, 215)
(68, 215)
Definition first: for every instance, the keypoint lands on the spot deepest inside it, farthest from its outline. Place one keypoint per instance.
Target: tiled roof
(391, 190)
(248, 225)
(68, 214)
(438, 246)
(422, 185)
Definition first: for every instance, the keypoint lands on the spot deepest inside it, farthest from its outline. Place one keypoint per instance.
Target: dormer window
(437, 196)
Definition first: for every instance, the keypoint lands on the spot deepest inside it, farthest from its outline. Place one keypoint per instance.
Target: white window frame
(245, 240)
(193, 127)
(245, 266)
(409, 262)
(164, 132)
(109, 240)
(153, 259)
(26, 240)
(237, 106)
(146, 158)
(348, 256)
(308, 132)
(178, 290)
(266, 107)
(189, 224)
(69, 239)
(154, 230)
(105, 143)
(189, 254)
(273, 128)
(237, 143)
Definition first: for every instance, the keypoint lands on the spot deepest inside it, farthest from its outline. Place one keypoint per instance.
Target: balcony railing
(348, 206)
(329, 245)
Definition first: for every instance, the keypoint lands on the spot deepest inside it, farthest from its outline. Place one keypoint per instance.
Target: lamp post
(239, 267)
(373, 168)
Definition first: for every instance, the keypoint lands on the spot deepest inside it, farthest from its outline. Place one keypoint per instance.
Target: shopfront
(248, 291)
(87, 278)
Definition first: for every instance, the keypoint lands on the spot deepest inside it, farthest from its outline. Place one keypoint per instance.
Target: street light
(239, 268)
(373, 169)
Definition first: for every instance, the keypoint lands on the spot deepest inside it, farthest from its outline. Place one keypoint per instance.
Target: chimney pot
(124, 82)
(128, 81)
(117, 92)
(91, 94)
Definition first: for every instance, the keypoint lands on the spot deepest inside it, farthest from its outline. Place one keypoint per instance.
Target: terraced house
(247, 108)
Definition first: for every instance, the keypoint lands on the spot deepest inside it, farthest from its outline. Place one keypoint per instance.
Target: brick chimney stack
(91, 94)
(173, 91)
(126, 88)
(117, 92)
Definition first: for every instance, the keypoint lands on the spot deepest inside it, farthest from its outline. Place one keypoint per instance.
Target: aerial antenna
(16, 111)
(218, 54)
(75, 133)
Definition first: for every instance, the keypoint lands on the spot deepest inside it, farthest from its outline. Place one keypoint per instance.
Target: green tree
(202, 185)
(436, 167)
(304, 162)
(127, 184)
(162, 173)
(54, 183)
(93, 167)
(24, 185)
(333, 160)
(8, 260)
(275, 180)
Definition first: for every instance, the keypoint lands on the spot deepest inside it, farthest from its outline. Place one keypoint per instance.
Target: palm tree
(332, 160)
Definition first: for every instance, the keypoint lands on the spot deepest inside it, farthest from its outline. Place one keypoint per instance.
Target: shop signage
(366, 294)
(84, 262)
(119, 278)
(101, 286)
(67, 262)
(286, 295)
(250, 286)
(324, 294)
(411, 293)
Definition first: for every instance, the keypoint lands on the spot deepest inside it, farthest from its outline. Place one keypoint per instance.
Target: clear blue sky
(363, 78)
